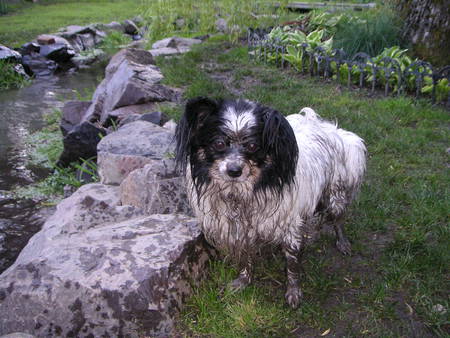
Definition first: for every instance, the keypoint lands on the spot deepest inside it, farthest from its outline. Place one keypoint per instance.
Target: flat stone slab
(165, 51)
(45, 39)
(175, 42)
(97, 269)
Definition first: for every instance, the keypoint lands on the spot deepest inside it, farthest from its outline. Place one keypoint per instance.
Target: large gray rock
(112, 26)
(155, 117)
(30, 47)
(130, 27)
(173, 45)
(167, 51)
(82, 37)
(175, 42)
(156, 188)
(9, 54)
(130, 78)
(221, 25)
(72, 113)
(49, 39)
(131, 147)
(121, 113)
(38, 65)
(58, 52)
(97, 269)
(80, 143)
(18, 335)
(72, 30)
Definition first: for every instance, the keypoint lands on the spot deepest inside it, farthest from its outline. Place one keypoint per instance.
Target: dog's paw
(239, 283)
(293, 296)
(344, 246)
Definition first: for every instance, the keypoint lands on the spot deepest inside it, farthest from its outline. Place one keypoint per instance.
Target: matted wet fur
(255, 177)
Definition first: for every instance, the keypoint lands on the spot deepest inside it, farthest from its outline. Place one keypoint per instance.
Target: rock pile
(101, 268)
(71, 47)
(132, 85)
(119, 257)
(130, 91)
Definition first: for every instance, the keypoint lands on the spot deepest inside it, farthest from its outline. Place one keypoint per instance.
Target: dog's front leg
(293, 251)
(245, 276)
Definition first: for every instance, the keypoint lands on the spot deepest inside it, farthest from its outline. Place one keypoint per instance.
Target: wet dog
(255, 177)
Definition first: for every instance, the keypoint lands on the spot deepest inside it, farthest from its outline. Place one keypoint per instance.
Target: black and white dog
(255, 177)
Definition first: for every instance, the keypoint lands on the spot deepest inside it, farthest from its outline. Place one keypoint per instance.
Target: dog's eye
(252, 147)
(219, 145)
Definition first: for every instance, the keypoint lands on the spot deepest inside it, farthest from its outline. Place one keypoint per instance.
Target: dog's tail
(355, 159)
(353, 150)
(309, 113)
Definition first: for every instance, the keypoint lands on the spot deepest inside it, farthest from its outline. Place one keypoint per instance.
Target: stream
(21, 114)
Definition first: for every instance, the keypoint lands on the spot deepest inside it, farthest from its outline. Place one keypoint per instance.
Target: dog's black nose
(234, 170)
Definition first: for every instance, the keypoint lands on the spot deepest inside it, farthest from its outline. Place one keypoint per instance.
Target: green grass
(9, 78)
(397, 275)
(47, 17)
(114, 41)
(380, 29)
(44, 149)
(200, 18)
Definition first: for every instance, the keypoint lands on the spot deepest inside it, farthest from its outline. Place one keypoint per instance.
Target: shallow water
(21, 113)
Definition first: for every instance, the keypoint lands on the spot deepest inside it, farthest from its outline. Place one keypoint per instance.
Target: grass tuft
(9, 78)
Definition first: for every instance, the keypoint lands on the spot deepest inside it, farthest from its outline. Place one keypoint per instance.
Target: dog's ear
(280, 144)
(195, 113)
(198, 109)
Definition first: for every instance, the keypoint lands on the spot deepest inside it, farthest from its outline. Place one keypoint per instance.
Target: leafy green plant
(294, 40)
(288, 36)
(114, 41)
(87, 167)
(9, 78)
(442, 88)
(373, 32)
(44, 148)
(399, 57)
(330, 22)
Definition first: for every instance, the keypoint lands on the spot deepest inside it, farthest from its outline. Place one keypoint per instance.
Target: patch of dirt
(226, 77)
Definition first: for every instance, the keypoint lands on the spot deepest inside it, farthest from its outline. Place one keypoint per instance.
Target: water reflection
(21, 113)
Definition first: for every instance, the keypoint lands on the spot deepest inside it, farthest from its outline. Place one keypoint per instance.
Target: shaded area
(19, 220)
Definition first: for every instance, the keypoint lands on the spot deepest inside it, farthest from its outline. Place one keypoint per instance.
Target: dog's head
(236, 142)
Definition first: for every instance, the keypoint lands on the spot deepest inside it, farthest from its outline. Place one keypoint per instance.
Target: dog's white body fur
(330, 167)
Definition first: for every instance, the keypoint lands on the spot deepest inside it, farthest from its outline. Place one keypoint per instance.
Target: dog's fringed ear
(195, 113)
(280, 144)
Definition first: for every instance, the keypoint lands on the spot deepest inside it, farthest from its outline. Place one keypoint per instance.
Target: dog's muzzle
(234, 170)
